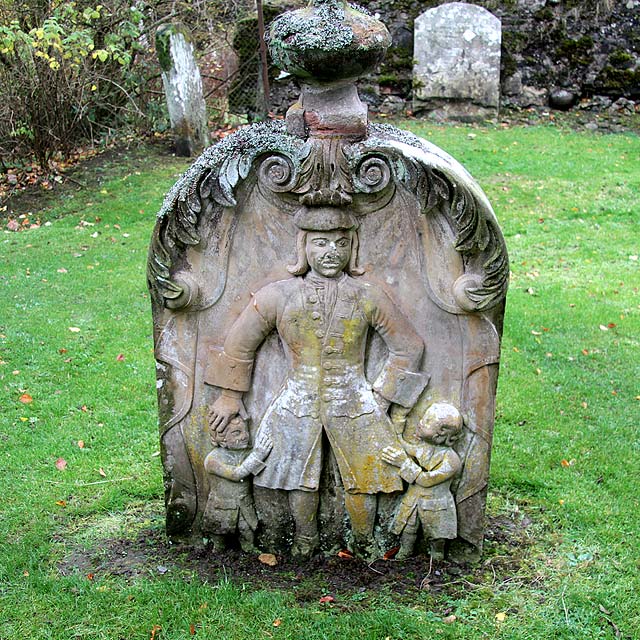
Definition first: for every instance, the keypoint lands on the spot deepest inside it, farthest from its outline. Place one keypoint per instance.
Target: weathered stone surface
(183, 89)
(457, 61)
(328, 307)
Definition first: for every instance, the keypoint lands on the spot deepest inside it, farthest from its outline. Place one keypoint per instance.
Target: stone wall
(558, 50)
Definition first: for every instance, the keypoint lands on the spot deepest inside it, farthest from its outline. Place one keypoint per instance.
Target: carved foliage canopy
(362, 175)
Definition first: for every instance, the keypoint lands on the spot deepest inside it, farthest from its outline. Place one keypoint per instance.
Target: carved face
(236, 435)
(328, 252)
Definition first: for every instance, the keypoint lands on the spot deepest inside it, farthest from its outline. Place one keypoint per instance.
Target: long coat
(323, 324)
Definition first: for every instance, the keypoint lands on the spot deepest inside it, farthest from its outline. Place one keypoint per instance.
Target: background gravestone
(183, 89)
(457, 62)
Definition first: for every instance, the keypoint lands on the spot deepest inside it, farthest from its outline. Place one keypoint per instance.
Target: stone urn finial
(328, 45)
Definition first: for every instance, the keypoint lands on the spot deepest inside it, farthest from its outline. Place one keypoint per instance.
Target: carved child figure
(230, 506)
(429, 469)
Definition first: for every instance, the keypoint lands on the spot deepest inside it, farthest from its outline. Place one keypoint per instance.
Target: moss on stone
(576, 52)
(618, 82)
(621, 59)
(163, 43)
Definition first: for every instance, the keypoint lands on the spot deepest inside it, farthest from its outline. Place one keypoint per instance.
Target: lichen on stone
(246, 143)
(322, 30)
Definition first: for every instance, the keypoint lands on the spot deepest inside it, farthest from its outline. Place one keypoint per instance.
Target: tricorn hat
(324, 219)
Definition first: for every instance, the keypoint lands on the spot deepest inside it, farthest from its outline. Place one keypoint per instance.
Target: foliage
(566, 446)
(67, 72)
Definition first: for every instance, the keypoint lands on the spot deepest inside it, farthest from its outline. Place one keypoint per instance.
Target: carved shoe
(304, 546)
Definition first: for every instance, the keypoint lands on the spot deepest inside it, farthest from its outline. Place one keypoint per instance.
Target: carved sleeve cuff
(409, 471)
(227, 372)
(400, 386)
(252, 465)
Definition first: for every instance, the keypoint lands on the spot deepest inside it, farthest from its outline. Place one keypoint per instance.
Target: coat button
(316, 316)
(327, 398)
(327, 366)
(402, 376)
(312, 299)
(320, 333)
(329, 350)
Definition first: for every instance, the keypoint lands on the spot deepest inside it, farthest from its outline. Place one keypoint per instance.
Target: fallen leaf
(62, 351)
(120, 357)
(62, 270)
(81, 444)
(74, 329)
(25, 398)
(449, 619)
(277, 622)
(192, 629)
(564, 463)
(84, 408)
(61, 464)
(102, 473)
(61, 503)
(501, 617)
(326, 599)
(611, 325)
(268, 559)
(25, 574)
(585, 352)
(391, 553)
(346, 554)
(154, 631)
(90, 576)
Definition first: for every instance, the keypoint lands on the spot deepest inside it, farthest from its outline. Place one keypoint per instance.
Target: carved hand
(394, 456)
(264, 444)
(223, 409)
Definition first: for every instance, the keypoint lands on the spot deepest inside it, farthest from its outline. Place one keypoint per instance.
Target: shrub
(66, 73)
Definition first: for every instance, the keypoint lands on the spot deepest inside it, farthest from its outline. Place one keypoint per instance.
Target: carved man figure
(322, 317)
(429, 468)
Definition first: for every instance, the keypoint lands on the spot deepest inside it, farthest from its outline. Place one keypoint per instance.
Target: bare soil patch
(347, 582)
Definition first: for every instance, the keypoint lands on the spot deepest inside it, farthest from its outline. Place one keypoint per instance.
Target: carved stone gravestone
(456, 72)
(183, 89)
(328, 298)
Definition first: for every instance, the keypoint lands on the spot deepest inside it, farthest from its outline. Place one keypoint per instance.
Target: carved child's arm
(251, 465)
(441, 473)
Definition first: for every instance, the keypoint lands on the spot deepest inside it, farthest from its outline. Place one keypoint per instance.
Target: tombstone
(456, 73)
(183, 89)
(327, 300)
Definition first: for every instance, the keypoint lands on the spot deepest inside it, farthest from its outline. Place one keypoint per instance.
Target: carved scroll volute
(277, 173)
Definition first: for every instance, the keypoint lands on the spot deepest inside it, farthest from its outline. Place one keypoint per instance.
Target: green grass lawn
(78, 436)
